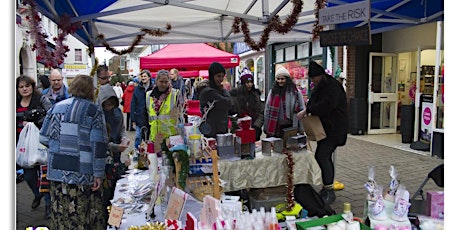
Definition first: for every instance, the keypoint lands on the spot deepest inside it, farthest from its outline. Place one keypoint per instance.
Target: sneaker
(338, 186)
(328, 195)
(36, 202)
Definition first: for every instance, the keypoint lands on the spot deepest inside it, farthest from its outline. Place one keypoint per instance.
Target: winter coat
(127, 97)
(75, 133)
(63, 94)
(248, 103)
(329, 101)
(114, 121)
(217, 118)
(138, 111)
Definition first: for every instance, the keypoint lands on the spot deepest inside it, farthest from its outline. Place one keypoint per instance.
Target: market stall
(188, 57)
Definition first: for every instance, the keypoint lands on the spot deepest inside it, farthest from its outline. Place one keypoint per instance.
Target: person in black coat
(217, 117)
(329, 102)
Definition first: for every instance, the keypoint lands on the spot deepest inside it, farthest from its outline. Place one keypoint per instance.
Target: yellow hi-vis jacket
(162, 122)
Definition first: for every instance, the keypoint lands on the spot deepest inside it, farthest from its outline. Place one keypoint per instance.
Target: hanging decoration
(319, 4)
(273, 25)
(136, 41)
(50, 58)
(290, 180)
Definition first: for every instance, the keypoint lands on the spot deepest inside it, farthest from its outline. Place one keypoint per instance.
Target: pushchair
(418, 206)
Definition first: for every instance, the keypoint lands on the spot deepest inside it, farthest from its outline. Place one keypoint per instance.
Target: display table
(269, 171)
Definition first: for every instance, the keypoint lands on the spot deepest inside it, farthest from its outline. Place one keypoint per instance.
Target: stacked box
(296, 142)
(225, 146)
(272, 144)
(247, 136)
(247, 150)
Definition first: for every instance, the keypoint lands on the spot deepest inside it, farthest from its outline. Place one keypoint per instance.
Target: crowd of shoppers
(84, 130)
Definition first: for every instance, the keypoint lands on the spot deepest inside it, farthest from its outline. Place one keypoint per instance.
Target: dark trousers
(129, 125)
(323, 156)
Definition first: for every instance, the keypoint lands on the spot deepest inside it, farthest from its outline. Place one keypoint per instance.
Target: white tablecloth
(269, 171)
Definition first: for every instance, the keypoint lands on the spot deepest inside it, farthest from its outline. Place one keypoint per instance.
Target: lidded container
(194, 145)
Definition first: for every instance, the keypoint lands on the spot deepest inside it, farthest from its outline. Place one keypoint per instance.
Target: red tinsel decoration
(50, 58)
(136, 41)
(319, 4)
(290, 180)
(273, 25)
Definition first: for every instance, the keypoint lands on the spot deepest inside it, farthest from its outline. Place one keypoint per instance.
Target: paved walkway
(352, 160)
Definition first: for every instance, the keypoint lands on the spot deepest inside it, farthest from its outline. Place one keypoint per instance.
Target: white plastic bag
(29, 150)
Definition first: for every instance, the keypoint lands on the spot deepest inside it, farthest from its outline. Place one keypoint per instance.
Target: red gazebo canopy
(188, 57)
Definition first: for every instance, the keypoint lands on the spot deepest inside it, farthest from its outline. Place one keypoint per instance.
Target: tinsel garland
(50, 58)
(136, 41)
(273, 25)
(319, 4)
(290, 180)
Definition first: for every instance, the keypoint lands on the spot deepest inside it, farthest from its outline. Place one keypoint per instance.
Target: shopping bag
(313, 128)
(29, 150)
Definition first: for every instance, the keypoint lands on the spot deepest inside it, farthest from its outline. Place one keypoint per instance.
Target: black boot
(328, 195)
(47, 212)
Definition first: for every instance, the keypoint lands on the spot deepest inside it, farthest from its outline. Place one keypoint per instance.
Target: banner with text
(350, 36)
(350, 12)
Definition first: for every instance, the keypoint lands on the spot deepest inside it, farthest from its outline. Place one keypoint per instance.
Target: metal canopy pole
(436, 81)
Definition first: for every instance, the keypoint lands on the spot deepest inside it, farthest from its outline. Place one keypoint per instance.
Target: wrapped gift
(435, 204)
(272, 144)
(246, 135)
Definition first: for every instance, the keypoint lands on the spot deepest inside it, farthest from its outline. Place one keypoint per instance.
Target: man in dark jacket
(329, 102)
(138, 114)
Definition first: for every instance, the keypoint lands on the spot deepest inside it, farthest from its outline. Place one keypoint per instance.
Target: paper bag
(313, 128)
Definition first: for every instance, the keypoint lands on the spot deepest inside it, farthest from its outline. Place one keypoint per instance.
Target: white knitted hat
(281, 71)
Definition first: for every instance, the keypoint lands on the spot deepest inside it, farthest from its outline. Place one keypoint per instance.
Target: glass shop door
(383, 95)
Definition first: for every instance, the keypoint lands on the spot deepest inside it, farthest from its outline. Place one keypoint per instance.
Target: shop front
(401, 71)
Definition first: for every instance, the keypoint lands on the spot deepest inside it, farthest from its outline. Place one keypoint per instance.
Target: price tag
(116, 213)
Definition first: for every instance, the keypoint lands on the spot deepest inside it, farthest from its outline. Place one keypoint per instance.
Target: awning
(196, 56)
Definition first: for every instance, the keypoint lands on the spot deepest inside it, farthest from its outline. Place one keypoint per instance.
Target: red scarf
(273, 111)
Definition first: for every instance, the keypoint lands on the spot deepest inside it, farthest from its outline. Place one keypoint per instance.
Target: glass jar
(194, 145)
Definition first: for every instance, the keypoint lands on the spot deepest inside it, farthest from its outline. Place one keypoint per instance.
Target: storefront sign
(350, 12)
(74, 69)
(427, 110)
(350, 36)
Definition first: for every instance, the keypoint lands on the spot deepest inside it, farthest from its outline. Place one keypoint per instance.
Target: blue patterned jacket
(75, 132)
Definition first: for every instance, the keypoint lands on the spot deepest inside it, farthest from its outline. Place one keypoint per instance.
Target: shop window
(290, 53)
(78, 55)
(316, 48)
(303, 50)
(279, 54)
(260, 74)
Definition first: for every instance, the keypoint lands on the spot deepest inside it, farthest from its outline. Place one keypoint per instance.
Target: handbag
(29, 150)
(313, 128)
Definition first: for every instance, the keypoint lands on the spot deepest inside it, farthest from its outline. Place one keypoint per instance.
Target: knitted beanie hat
(281, 71)
(314, 69)
(246, 76)
(215, 68)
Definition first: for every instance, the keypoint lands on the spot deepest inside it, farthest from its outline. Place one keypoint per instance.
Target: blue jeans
(140, 136)
(31, 176)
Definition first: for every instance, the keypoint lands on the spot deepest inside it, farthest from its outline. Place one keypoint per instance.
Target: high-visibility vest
(162, 122)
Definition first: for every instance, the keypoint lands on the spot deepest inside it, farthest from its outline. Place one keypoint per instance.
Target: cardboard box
(435, 204)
